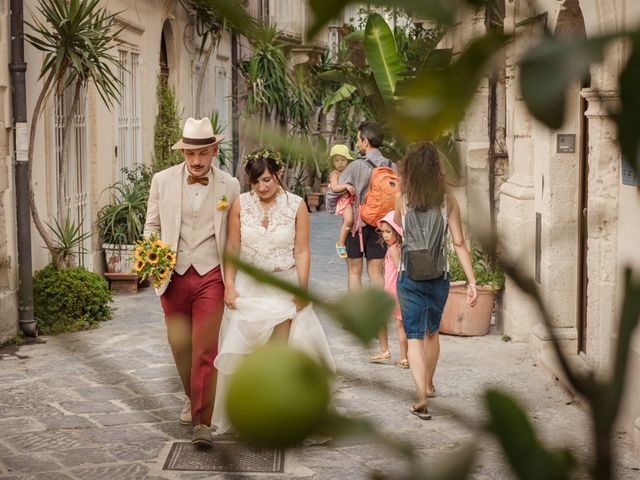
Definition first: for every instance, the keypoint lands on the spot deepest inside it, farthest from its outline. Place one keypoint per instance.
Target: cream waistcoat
(197, 242)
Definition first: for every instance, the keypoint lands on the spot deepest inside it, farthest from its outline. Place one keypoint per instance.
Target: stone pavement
(103, 404)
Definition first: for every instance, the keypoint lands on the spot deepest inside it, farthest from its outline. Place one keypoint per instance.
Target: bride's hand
(300, 304)
(230, 295)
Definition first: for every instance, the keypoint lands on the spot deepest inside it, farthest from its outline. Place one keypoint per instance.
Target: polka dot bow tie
(201, 180)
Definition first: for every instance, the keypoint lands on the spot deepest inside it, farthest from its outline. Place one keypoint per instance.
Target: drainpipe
(17, 69)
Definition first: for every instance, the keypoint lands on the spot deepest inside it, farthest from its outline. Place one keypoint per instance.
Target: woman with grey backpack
(426, 211)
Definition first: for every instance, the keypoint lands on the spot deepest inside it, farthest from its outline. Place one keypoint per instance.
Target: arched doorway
(167, 53)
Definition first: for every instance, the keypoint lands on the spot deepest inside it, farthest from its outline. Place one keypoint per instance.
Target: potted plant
(458, 318)
(121, 221)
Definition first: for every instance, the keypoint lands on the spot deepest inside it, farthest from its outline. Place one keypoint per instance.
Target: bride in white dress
(268, 227)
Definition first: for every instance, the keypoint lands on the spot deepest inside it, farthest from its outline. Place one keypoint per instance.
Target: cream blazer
(164, 210)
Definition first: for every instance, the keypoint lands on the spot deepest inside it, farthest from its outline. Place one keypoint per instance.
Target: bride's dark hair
(260, 160)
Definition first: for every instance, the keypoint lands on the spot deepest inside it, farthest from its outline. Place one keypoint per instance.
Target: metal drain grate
(224, 456)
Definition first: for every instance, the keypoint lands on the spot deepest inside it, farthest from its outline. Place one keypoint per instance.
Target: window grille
(76, 200)
(129, 139)
(201, 102)
(223, 100)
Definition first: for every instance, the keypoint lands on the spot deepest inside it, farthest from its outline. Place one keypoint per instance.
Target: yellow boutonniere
(222, 203)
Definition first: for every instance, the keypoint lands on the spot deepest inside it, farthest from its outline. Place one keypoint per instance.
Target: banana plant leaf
(357, 36)
(382, 55)
(344, 92)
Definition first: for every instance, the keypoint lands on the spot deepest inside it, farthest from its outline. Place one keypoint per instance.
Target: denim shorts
(421, 304)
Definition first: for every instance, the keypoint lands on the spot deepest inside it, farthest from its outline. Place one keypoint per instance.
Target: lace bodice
(269, 248)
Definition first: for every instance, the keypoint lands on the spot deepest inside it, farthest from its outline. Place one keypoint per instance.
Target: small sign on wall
(629, 175)
(566, 143)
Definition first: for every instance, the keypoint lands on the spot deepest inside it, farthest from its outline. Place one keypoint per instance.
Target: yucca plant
(68, 239)
(224, 147)
(76, 37)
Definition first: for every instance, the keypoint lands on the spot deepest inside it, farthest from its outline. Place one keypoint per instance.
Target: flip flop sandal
(403, 364)
(341, 250)
(380, 357)
(422, 414)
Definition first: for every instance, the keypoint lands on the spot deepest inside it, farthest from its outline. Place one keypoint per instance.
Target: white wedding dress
(260, 307)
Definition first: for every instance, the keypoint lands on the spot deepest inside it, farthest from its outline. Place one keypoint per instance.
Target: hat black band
(198, 141)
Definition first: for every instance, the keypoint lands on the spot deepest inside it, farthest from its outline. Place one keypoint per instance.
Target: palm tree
(76, 36)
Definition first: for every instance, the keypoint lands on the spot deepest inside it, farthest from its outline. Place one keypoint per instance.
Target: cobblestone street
(103, 404)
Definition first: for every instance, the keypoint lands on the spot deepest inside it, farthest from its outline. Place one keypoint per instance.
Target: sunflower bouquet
(153, 259)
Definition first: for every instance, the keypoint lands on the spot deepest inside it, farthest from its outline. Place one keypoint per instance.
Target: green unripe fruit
(278, 397)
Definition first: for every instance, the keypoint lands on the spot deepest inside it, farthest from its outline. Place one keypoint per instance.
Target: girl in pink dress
(392, 236)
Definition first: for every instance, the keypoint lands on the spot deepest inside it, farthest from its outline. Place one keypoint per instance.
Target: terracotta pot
(460, 319)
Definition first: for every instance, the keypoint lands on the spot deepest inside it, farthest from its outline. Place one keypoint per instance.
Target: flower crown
(266, 154)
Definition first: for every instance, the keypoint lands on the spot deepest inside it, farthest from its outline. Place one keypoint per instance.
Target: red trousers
(193, 307)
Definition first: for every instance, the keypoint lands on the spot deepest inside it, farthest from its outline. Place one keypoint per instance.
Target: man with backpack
(375, 184)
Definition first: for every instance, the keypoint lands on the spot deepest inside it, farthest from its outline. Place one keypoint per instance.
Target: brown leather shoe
(185, 415)
(202, 436)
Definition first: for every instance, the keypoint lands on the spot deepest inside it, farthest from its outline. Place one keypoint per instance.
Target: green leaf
(627, 118)
(333, 76)
(357, 36)
(363, 312)
(382, 55)
(438, 59)
(343, 426)
(270, 279)
(456, 466)
(548, 69)
(436, 101)
(526, 455)
(629, 318)
(344, 92)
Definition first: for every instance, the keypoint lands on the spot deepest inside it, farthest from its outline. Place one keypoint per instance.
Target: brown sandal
(421, 413)
(380, 357)
(403, 363)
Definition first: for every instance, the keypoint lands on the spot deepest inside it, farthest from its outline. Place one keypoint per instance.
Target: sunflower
(139, 251)
(163, 275)
(139, 265)
(170, 258)
(153, 258)
(157, 244)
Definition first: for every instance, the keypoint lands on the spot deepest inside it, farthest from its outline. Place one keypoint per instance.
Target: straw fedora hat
(197, 134)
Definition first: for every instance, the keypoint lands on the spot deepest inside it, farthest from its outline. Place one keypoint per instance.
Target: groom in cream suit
(188, 206)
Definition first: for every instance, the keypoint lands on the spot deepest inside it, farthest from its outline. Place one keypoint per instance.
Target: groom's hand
(230, 295)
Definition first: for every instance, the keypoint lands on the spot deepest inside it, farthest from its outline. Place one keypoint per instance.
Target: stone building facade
(557, 197)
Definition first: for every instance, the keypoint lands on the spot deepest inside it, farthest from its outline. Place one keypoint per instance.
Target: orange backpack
(380, 198)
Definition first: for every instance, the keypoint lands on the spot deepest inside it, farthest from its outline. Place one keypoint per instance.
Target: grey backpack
(424, 252)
